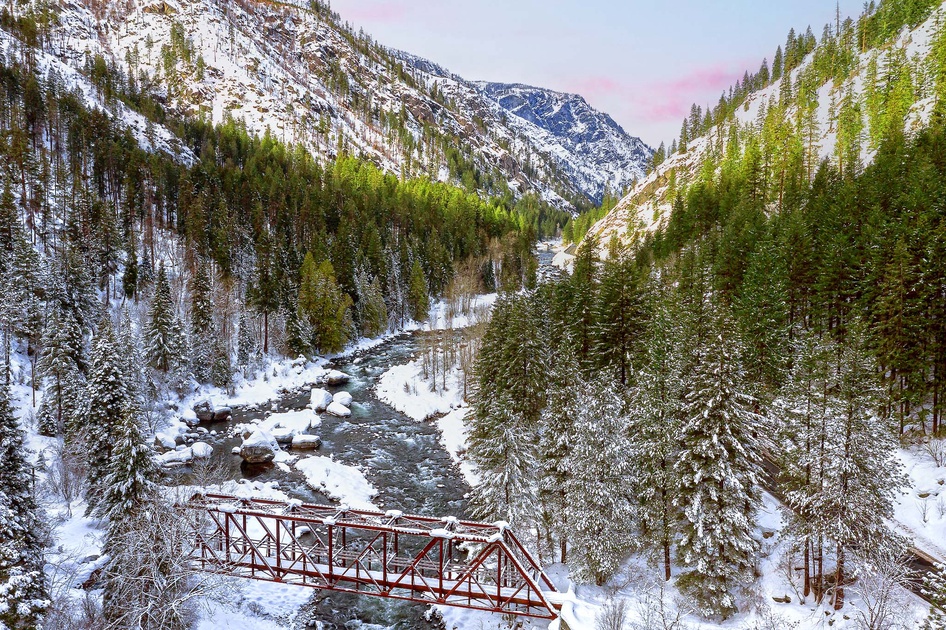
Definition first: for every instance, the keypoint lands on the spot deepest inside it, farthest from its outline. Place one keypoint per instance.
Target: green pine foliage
(323, 307)
(109, 401)
(23, 588)
(934, 587)
(203, 329)
(164, 337)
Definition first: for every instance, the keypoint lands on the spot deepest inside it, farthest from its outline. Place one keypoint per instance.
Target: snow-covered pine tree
(503, 453)
(221, 372)
(128, 343)
(598, 487)
(22, 582)
(59, 370)
(934, 587)
(372, 312)
(110, 399)
(130, 503)
(163, 334)
(203, 329)
(717, 472)
(510, 376)
(557, 437)
(654, 420)
(803, 410)
(584, 288)
(128, 484)
(862, 473)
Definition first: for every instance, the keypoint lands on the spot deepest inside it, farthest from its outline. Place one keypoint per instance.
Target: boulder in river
(334, 377)
(204, 410)
(342, 398)
(338, 409)
(222, 413)
(320, 399)
(259, 448)
(303, 442)
(202, 450)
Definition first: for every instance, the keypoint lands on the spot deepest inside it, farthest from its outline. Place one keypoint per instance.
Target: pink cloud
(664, 100)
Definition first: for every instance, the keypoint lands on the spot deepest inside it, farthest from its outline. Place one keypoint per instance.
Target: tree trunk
(807, 590)
(839, 581)
(265, 332)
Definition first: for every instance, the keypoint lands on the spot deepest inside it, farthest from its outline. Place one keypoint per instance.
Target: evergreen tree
(129, 482)
(203, 329)
(130, 275)
(109, 401)
(323, 307)
(417, 294)
(557, 438)
(618, 315)
(598, 507)
(510, 380)
(246, 344)
(718, 472)
(584, 286)
(60, 372)
(22, 582)
(372, 312)
(654, 428)
(862, 473)
(934, 587)
(163, 335)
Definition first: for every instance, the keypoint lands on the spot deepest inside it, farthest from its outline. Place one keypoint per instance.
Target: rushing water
(401, 457)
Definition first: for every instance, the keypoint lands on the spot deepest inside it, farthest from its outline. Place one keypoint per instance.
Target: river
(402, 458)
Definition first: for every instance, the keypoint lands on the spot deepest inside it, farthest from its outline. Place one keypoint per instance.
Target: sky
(644, 62)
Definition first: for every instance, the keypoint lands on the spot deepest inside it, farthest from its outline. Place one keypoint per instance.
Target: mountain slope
(836, 104)
(297, 72)
(587, 144)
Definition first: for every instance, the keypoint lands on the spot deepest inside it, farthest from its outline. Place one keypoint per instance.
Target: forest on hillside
(812, 338)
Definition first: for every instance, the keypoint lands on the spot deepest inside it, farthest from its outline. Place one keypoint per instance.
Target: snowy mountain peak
(604, 156)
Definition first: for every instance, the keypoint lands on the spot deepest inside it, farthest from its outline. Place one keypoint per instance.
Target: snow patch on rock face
(344, 483)
(587, 145)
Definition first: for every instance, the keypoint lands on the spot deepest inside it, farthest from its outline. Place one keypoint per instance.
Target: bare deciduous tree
(67, 474)
(149, 582)
(881, 584)
(613, 616)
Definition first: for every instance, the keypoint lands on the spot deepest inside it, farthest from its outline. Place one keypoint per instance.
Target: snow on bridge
(415, 558)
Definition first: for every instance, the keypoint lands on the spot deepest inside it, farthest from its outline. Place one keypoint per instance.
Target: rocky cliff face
(587, 145)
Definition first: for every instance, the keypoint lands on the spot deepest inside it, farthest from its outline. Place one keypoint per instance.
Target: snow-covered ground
(347, 484)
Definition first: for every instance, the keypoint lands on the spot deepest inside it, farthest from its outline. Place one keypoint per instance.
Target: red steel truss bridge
(415, 558)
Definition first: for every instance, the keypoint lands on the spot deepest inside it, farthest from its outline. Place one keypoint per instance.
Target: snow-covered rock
(320, 399)
(342, 398)
(201, 450)
(335, 377)
(172, 458)
(284, 435)
(337, 409)
(259, 448)
(204, 410)
(306, 442)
